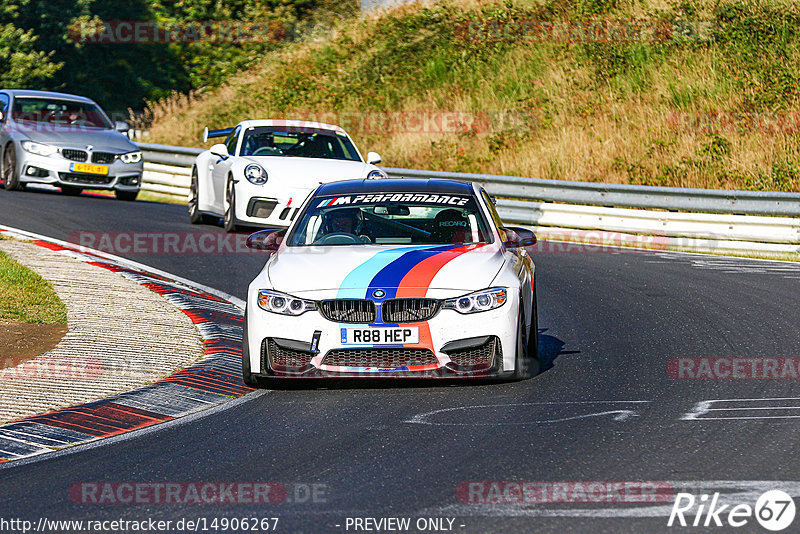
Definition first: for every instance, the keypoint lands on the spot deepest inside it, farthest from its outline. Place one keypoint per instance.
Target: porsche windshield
(297, 142)
(60, 112)
(391, 219)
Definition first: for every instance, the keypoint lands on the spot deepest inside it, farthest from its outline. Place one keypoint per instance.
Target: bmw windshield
(59, 112)
(391, 219)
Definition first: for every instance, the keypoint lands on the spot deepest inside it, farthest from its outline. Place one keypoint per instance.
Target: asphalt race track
(606, 410)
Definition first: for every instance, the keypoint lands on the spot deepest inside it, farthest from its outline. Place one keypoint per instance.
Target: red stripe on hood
(416, 282)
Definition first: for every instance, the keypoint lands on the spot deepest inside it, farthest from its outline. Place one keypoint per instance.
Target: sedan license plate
(380, 335)
(89, 168)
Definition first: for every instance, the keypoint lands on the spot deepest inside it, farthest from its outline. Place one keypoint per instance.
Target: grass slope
(689, 93)
(25, 296)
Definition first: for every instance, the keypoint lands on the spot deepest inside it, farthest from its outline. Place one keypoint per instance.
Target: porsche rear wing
(207, 134)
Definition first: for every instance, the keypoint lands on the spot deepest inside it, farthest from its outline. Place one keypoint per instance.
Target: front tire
(230, 211)
(127, 196)
(527, 363)
(247, 375)
(10, 177)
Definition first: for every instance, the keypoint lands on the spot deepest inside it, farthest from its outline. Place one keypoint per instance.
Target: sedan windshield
(391, 219)
(298, 142)
(59, 112)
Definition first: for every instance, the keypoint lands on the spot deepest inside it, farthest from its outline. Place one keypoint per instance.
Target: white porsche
(265, 169)
(401, 278)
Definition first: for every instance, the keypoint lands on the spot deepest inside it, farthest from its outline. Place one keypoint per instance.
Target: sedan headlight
(131, 157)
(376, 174)
(39, 149)
(255, 174)
(275, 302)
(488, 299)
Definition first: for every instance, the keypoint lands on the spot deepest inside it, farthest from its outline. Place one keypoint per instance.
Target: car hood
(75, 137)
(410, 271)
(310, 172)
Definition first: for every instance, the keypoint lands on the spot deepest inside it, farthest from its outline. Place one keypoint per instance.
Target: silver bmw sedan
(66, 141)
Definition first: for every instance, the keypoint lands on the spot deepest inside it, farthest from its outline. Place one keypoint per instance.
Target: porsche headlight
(39, 149)
(488, 299)
(255, 174)
(131, 157)
(275, 302)
(376, 174)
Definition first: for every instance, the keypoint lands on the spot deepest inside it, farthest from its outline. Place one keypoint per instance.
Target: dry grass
(549, 114)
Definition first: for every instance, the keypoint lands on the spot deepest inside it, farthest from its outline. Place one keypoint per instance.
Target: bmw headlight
(39, 149)
(131, 157)
(255, 174)
(275, 302)
(487, 299)
(376, 174)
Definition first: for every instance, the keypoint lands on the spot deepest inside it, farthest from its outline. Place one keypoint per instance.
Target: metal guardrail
(597, 194)
(753, 217)
(628, 196)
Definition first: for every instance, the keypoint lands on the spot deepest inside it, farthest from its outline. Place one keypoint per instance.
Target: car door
(221, 168)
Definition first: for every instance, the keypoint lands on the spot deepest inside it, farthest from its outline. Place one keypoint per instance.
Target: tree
(21, 65)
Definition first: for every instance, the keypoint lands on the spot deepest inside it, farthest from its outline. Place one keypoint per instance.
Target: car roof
(45, 94)
(388, 185)
(285, 123)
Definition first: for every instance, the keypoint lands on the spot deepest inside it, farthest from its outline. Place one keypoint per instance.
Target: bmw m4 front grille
(394, 357)
(409, 310)
(348, 310)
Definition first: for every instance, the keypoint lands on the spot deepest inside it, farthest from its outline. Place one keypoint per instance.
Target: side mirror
(518, 237)
(219, 150)
(268, 240)
(373, 158)
(121, 127)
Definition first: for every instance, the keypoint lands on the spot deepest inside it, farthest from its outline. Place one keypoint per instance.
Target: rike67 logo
(774, 510)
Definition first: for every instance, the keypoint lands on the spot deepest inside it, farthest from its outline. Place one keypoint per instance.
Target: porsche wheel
(230, 210)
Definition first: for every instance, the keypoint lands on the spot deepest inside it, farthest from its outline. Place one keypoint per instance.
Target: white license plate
(380, 335)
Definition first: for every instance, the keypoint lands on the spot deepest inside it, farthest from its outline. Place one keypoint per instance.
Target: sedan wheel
(10, 177)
